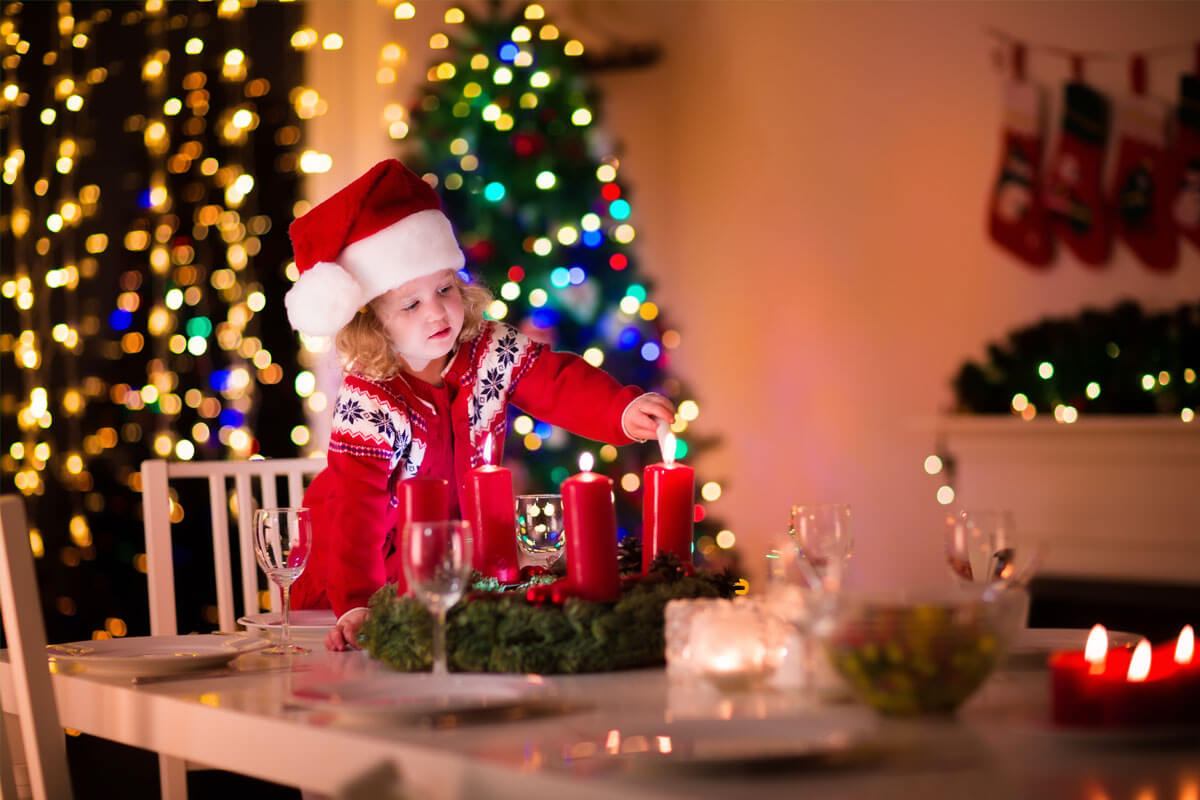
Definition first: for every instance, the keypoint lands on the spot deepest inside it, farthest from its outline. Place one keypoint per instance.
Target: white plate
(308, 624)
(828, 735)
(419, 693)
(1032, 647)
(138, 656)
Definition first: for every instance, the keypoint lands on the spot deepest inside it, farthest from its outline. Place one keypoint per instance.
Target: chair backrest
(41, 734)
(256, 484)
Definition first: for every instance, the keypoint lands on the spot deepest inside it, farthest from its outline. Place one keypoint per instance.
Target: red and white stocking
(1017, 220)
(1141, 194)
(1185, 205)
(1073, 193)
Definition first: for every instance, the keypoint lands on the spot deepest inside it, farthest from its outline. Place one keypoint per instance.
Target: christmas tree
(148, 174)
(507, 128)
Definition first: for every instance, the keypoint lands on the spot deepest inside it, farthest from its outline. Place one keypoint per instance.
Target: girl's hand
(345, 633)
(640, 418)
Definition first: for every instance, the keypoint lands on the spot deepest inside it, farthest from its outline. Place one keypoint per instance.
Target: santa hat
(379, 232)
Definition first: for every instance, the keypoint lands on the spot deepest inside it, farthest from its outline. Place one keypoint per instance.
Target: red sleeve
(360, 451)
(565, 390)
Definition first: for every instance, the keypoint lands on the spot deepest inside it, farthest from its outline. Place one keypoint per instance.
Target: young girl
(427, 379)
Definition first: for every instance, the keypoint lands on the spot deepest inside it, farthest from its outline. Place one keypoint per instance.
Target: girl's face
(422, 318)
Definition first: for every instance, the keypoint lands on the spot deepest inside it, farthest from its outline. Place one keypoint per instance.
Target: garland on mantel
(1119, 361)
(496, 629)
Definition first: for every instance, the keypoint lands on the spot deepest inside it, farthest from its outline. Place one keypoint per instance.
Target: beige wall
(809, 183)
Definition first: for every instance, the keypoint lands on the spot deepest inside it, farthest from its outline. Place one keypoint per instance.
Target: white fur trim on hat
(324, 299)
(417, 245)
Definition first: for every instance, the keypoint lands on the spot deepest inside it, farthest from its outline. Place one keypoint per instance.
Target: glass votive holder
(677, 633)
(540, 530)
(733, 645)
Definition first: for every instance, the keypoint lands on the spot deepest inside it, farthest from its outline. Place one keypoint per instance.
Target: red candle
(1181, 654)
(418, 500)
(668, 513)
(1149, 695)
(1083, 683)
(1082, 693)
(590, 523)
(491, 510)
(423, 500)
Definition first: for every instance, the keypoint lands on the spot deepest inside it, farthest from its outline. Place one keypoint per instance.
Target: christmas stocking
(1073, 194)
(1140, 194)
(1017, 219)
(1186, 160)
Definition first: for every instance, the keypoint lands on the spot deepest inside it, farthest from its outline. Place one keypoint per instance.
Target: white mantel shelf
(1112, 497)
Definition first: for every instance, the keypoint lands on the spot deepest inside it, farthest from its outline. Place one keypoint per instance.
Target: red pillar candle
(668, 513)
(423, 500)
(418, 500)
(591, 530)
(491, 510)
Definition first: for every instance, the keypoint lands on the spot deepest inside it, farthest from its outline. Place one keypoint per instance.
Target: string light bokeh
(150, 166)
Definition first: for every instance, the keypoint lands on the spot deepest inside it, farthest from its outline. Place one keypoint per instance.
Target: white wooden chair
(255, 484)
(45, 750)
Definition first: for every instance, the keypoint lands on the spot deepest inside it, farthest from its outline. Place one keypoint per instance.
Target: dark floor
(1155, 611)
(99, 767)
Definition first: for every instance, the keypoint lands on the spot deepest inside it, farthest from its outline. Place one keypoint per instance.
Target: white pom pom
(324, 299)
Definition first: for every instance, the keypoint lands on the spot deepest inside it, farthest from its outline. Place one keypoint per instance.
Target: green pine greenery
(496, 629)
(1140, 362)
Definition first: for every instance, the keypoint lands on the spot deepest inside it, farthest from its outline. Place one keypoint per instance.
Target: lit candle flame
(666, 442)
(1139, 665)
(1096, 649)
(612, 743)
(487, 449)
(586, 461)
(1185, 646)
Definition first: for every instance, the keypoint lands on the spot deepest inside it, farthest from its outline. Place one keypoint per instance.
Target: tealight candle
(729, 645)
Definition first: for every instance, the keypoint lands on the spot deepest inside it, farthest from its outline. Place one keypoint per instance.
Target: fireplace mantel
(1112, 497)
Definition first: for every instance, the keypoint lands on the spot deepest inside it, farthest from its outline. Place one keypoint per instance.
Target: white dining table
(603, 736)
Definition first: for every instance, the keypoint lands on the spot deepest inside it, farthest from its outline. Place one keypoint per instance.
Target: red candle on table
(591, 530)
(668, 513)
(1181, 654)
(667, 509)
(1083, 684)
(1149, 695)
(423, 500)
(418, 500)
(491, 510)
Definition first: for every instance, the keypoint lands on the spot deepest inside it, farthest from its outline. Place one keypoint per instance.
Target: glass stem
(439, 643)
(286, 639)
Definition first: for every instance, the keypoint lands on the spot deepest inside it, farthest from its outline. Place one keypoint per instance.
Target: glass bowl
(926, 653)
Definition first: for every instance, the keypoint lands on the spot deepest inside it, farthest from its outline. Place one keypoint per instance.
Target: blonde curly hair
(364, 347)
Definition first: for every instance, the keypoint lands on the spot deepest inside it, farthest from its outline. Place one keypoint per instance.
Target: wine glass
(982, 546)
(822, 536)
(804, 573)
(540, 535)
(282, 540)
(437, 566)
